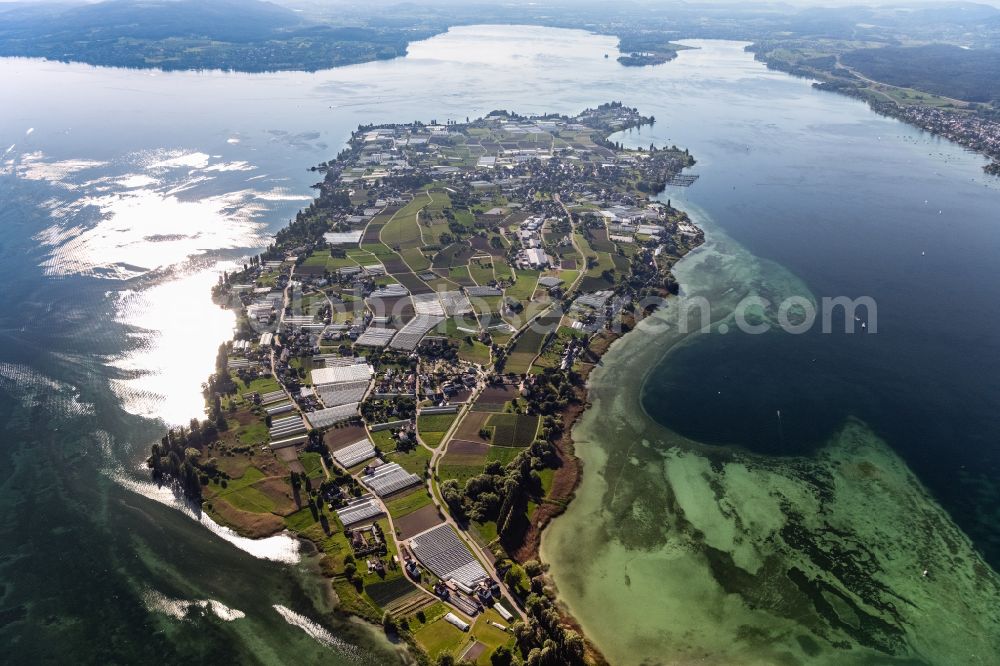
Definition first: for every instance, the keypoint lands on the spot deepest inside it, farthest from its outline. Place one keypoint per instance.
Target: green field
(502, 454)
(460, 275)
(403, 230)
(513, 430)
(435, 422)
(413, 461)
(313, 464)
(481, 270)
(260, 385)
(383, 440)
(415, 259)
(241, 494)
(385, 592)
(474, 352)
(408, 503)
(440, 637)
(300, 521)
(527, 346)
(460, 472)
(502, 269)
(525, 285)
(432, 428)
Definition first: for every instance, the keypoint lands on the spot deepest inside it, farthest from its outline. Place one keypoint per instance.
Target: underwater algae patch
(674, 552)
(730, 557)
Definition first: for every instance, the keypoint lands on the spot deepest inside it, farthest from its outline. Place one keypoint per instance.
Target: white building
(536, 257)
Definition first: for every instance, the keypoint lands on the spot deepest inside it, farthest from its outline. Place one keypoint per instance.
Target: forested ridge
(971, 75)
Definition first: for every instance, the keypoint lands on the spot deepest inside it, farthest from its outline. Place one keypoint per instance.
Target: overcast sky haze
(369, 3)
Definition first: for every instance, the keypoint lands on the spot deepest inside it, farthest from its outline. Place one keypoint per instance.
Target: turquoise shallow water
(124, 192)
(675, 551)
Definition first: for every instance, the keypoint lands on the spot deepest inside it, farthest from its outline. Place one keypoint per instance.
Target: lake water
(125, 192)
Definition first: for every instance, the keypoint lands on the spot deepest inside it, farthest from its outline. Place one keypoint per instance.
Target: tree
(517, 581)
(501, 656)
(573, 646)
(389, 623)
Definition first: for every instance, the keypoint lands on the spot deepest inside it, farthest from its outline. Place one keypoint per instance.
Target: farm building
(344, 237)
(440, 550)
(363, 508)
(388, 479)
(347, 373)
(355, 454)
(321, 418)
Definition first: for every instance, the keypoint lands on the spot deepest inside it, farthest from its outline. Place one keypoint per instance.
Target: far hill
(972, 75)
(245, 35)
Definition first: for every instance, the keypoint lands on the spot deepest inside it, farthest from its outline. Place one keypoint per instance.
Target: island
(410, 356)
(642, 49)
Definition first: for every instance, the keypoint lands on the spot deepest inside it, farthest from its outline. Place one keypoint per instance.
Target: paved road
(274, 373)
(436, 454)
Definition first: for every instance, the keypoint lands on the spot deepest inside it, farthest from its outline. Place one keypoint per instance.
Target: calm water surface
(125, 192)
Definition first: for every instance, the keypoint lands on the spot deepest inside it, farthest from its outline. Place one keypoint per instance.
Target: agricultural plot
(432, 428)
(502, 269)
(374, 228)
(465, 217)
(584, 245)
(336, 438)
(486, 244)
(403, 230)
(434, 231)
(570, 264)
(438, 283)
(513, 430)
(591, 284)
(439, 200)
(460, 276)
(502, 454)
(400, 308)
(312, 464)
(361, 257)
(463, 460)
(473, 351)
(414, 460)
(599, 240)
(488, 309)
(320, 261)
(524, 287)
(417, 521)
(413, 283)
(529, 344)
(481, 270)
(385, 592)
(494, 399)
(456, 254)
(408, 502)
(470, 426)
(415, 259)
(569, 277)
(252, 493)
